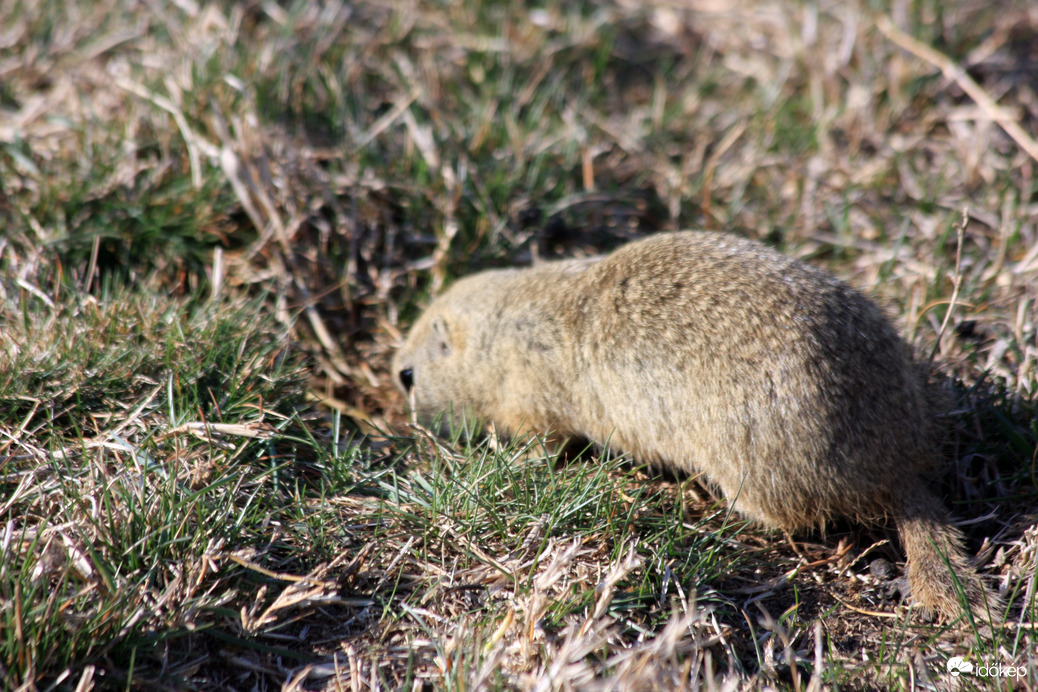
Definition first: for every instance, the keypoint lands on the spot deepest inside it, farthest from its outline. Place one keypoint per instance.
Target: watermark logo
(957, 666)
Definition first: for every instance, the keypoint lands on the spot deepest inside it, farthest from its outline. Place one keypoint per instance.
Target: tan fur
(706, 352)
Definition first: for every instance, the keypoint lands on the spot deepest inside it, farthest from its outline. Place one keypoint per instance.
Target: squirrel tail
(940, 576)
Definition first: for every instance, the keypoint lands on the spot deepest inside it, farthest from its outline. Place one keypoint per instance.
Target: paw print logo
(956, 666)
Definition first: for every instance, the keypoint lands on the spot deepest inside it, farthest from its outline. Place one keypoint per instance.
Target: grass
(216, 223)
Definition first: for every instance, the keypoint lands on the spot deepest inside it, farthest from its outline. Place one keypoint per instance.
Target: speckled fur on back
(706, 352)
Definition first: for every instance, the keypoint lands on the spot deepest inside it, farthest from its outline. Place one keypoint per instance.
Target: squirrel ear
(439, 327)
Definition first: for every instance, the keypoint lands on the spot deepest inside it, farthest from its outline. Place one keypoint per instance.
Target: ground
(218, 220)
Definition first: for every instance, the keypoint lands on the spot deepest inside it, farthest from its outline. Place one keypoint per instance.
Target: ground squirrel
(705, 352)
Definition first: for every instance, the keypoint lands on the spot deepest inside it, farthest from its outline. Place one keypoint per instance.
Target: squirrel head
(438, 368)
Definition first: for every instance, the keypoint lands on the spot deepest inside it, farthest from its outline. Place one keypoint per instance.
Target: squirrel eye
(407, 378)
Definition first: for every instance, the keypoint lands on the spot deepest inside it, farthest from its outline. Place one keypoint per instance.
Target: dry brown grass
(341, 162)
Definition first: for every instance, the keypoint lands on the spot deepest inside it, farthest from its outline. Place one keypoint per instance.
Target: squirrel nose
(407, 378)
